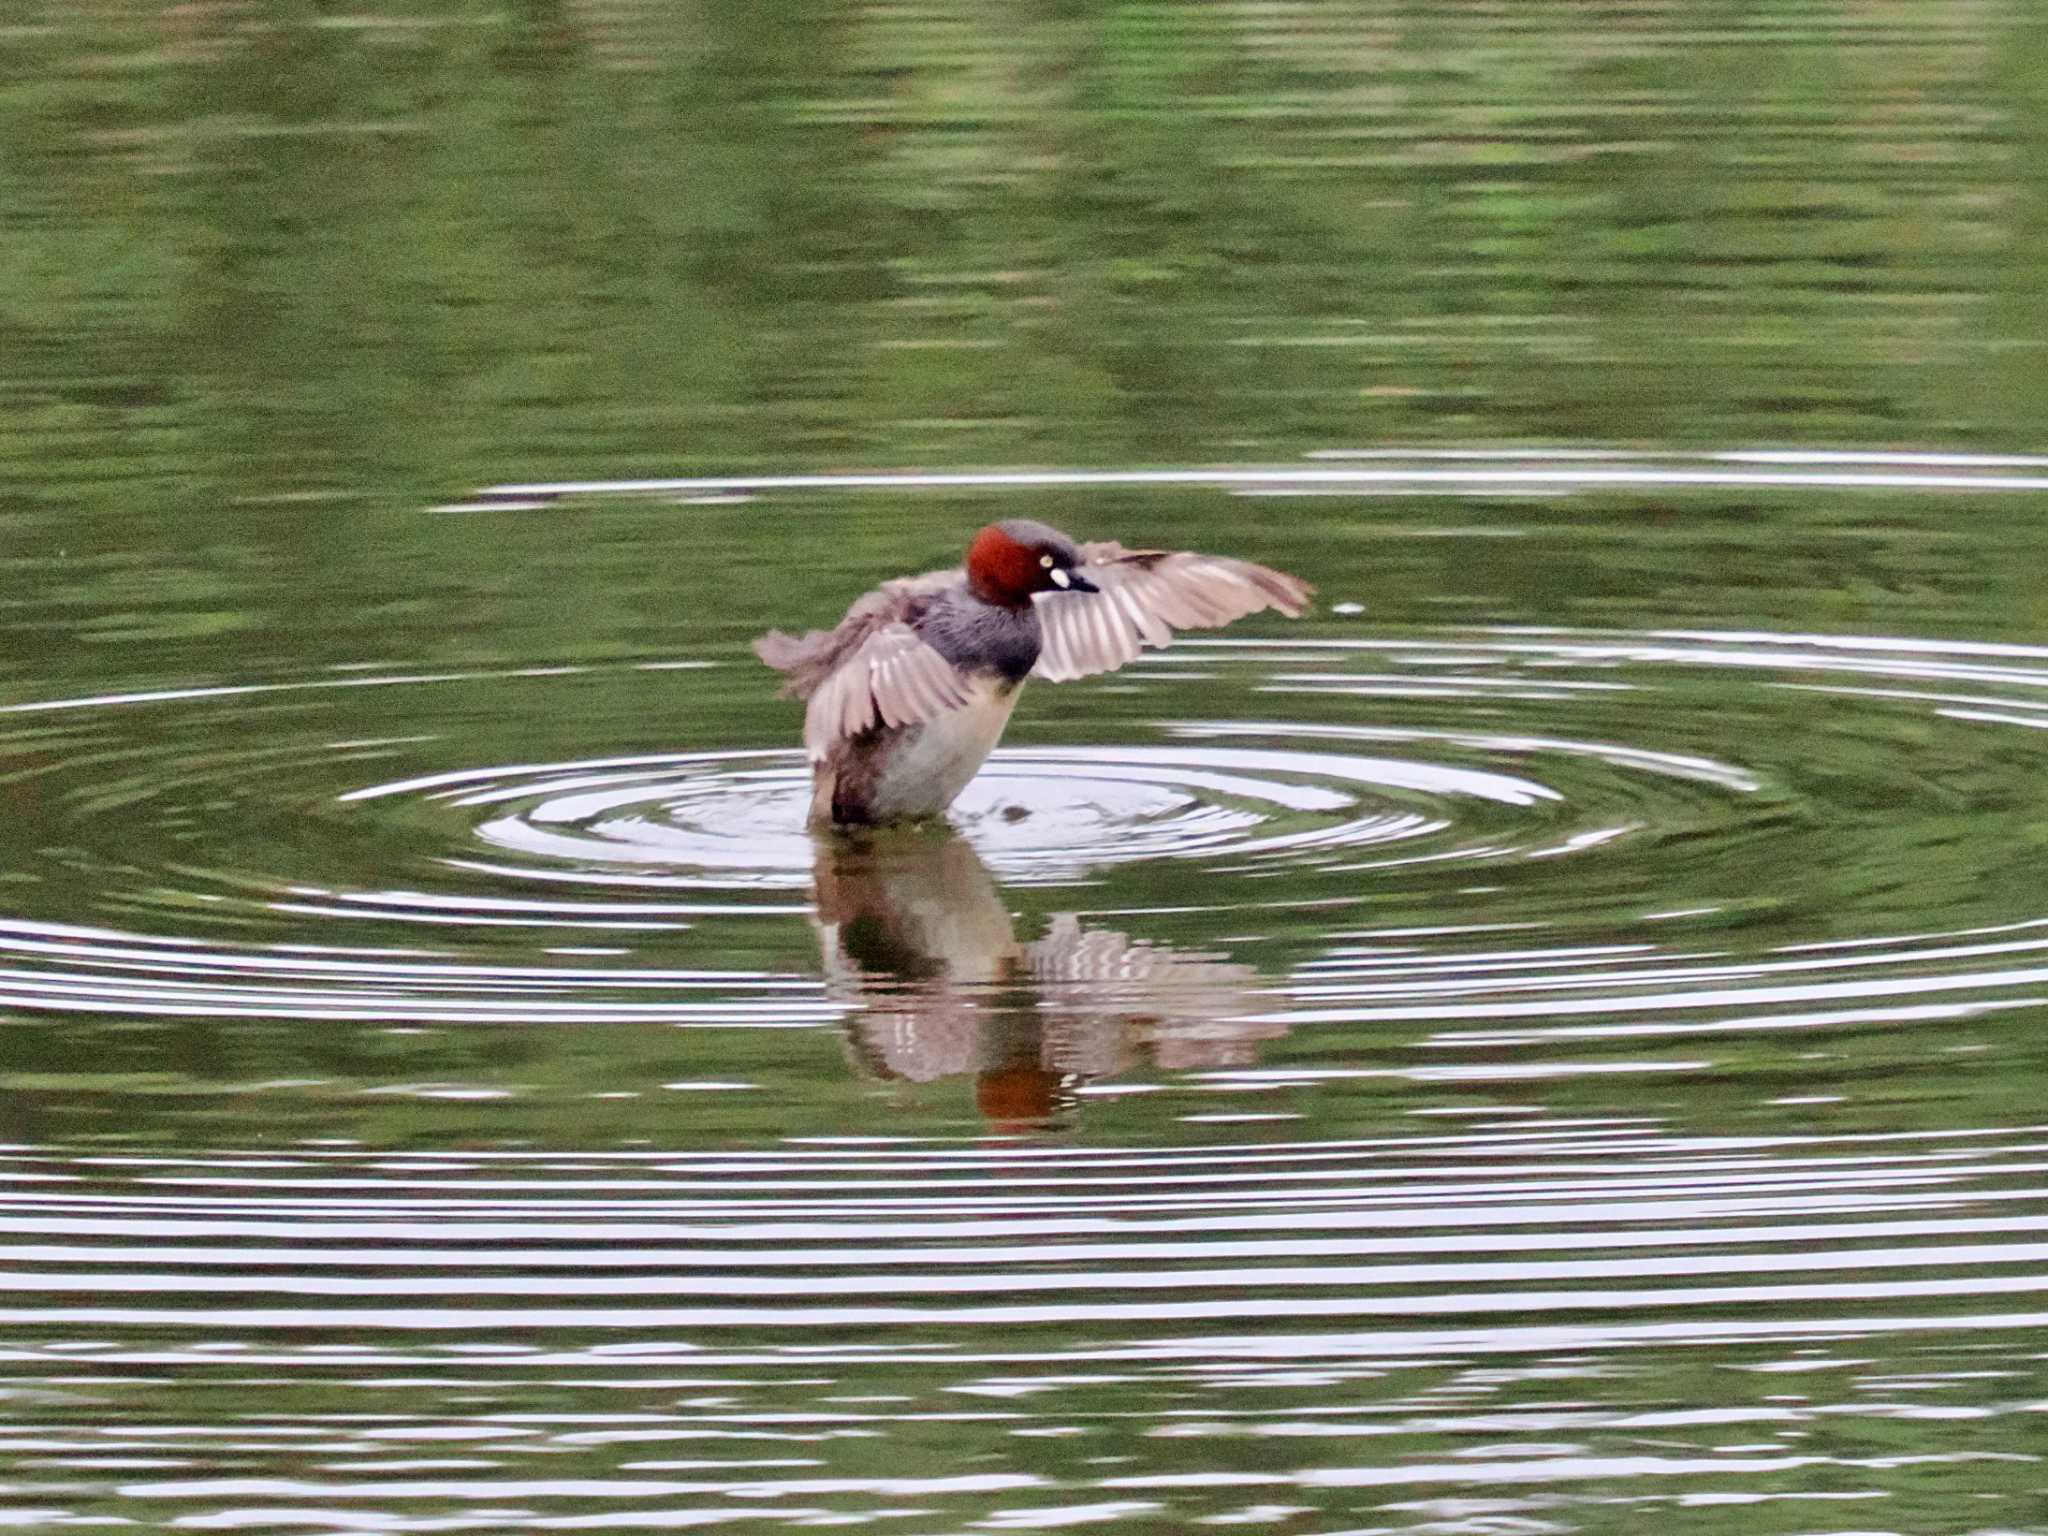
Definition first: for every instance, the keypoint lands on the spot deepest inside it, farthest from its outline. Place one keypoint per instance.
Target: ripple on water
(1506, 1305)
(1505, 916)
(1558, 771)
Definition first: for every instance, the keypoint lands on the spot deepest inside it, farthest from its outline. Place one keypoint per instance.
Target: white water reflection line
(1483, 474)
(295, 1239)
(1961, 1257)
(1672, 764)
(573, 1488)
(1247, 1356)
(236, 690)
(804, 1316)
(644, 1222)
(1516, 1473)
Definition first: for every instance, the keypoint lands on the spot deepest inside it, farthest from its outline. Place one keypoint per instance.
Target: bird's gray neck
(980, 638)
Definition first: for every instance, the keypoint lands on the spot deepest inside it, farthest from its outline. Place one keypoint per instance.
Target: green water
(1548, 1042)
(269, 249)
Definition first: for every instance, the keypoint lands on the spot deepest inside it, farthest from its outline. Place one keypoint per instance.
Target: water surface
(1405, 1072)
(1546, 1043)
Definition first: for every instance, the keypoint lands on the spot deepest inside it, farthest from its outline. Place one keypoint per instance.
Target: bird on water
(908, 695)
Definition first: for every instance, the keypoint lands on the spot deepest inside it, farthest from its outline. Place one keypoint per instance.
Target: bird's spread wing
(1147, 594)
(891, 677)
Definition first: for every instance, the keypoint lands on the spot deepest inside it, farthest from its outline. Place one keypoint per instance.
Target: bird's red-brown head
(1010, 561)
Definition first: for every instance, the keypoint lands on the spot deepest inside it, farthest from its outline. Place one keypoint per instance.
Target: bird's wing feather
(891, 678)
(808, 660)
(1144, 596)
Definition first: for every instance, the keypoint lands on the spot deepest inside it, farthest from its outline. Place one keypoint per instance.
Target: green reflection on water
(266, 249)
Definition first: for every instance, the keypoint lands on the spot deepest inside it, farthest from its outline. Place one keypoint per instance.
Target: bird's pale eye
(1046, 561)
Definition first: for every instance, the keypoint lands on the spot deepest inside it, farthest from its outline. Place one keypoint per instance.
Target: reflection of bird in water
(911, 690)
(915, 934)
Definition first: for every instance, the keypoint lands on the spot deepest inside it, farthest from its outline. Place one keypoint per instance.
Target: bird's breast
(917, 770)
